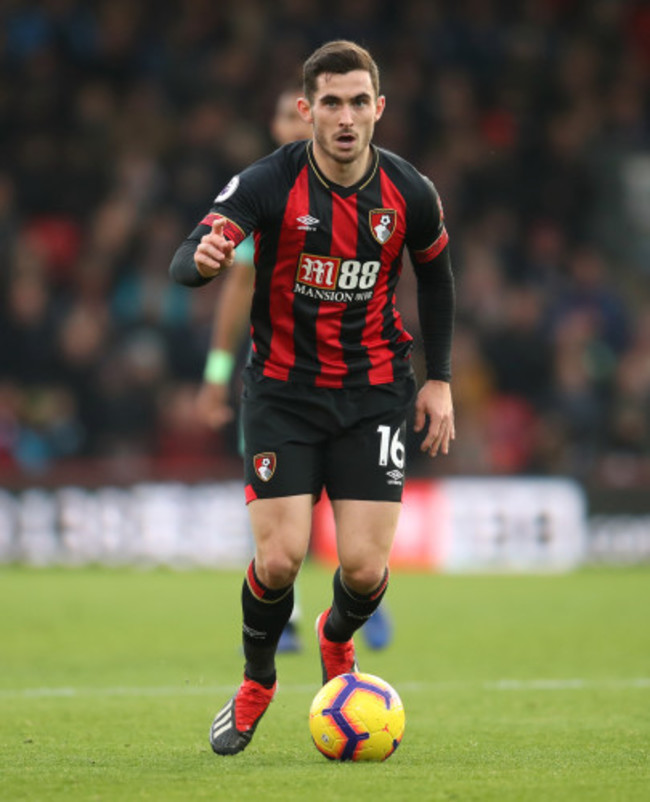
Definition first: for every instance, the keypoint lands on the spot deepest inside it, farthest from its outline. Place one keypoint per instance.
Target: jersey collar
(340, 190)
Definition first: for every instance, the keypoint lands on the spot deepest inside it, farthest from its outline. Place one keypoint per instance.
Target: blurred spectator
(517, 348)
(29, 326)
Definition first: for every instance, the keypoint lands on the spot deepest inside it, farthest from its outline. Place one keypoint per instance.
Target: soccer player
(329, 381)
(231, 314)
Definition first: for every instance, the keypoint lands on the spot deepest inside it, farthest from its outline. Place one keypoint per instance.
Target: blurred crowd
(122, 120)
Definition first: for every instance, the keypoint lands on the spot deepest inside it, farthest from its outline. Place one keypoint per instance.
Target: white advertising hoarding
(454, 525)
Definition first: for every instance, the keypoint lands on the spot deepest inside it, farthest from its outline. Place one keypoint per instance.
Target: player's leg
(289, 637)
(364, 536)
(364, 478)
(365, 532)
(282, 474)
(281, 528)
(353, 525)
(281, 477)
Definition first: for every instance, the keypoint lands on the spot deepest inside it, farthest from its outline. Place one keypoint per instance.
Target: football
(357, 717)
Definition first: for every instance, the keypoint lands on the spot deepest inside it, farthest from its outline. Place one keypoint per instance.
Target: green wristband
(218, 367)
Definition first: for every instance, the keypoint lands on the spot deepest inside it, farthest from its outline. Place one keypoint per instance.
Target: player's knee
(363, 579)
(278, 569)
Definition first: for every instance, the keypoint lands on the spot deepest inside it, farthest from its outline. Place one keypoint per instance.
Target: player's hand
(435, 403)
(212, 404)
(215, 252)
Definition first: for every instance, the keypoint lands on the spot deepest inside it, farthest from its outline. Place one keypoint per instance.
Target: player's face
(343, 113)
(287, 125)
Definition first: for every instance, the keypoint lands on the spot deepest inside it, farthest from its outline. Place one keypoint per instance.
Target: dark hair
(338, 57)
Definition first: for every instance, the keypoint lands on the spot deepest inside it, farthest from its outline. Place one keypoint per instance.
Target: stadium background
(122, 120)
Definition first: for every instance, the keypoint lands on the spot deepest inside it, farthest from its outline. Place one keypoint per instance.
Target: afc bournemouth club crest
(382, 224)
(264, 465)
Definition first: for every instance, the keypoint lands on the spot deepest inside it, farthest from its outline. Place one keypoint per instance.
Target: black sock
(265, 612)
(351, 610)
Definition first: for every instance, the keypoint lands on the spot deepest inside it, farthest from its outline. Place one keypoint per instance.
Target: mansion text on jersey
(336, 296)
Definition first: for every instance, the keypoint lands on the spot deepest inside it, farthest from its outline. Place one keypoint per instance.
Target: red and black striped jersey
(327, 261)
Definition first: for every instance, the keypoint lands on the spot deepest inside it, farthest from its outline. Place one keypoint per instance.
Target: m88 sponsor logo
(336, 279)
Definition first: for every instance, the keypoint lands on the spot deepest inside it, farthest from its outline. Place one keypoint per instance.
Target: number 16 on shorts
(391, 451)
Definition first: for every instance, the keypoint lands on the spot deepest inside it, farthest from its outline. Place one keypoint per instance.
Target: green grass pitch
(515, 688)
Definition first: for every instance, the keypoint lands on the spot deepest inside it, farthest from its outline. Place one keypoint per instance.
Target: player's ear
(304, 109)
(379, 108)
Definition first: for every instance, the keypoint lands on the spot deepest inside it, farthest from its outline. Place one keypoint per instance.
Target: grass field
(515, 688)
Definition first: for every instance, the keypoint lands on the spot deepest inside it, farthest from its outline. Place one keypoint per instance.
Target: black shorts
(300, 439)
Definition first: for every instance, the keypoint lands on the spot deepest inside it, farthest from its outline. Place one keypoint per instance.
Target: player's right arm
(215, 252)
(202, 257)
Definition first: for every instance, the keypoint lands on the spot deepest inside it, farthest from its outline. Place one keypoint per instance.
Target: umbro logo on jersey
(307, 222)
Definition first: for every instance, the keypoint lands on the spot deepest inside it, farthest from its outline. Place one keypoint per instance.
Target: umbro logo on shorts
(395, 477)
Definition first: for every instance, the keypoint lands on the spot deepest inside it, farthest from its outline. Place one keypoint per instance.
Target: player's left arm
(436, 307)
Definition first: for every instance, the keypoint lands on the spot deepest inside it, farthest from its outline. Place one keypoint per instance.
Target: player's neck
(345, 174)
